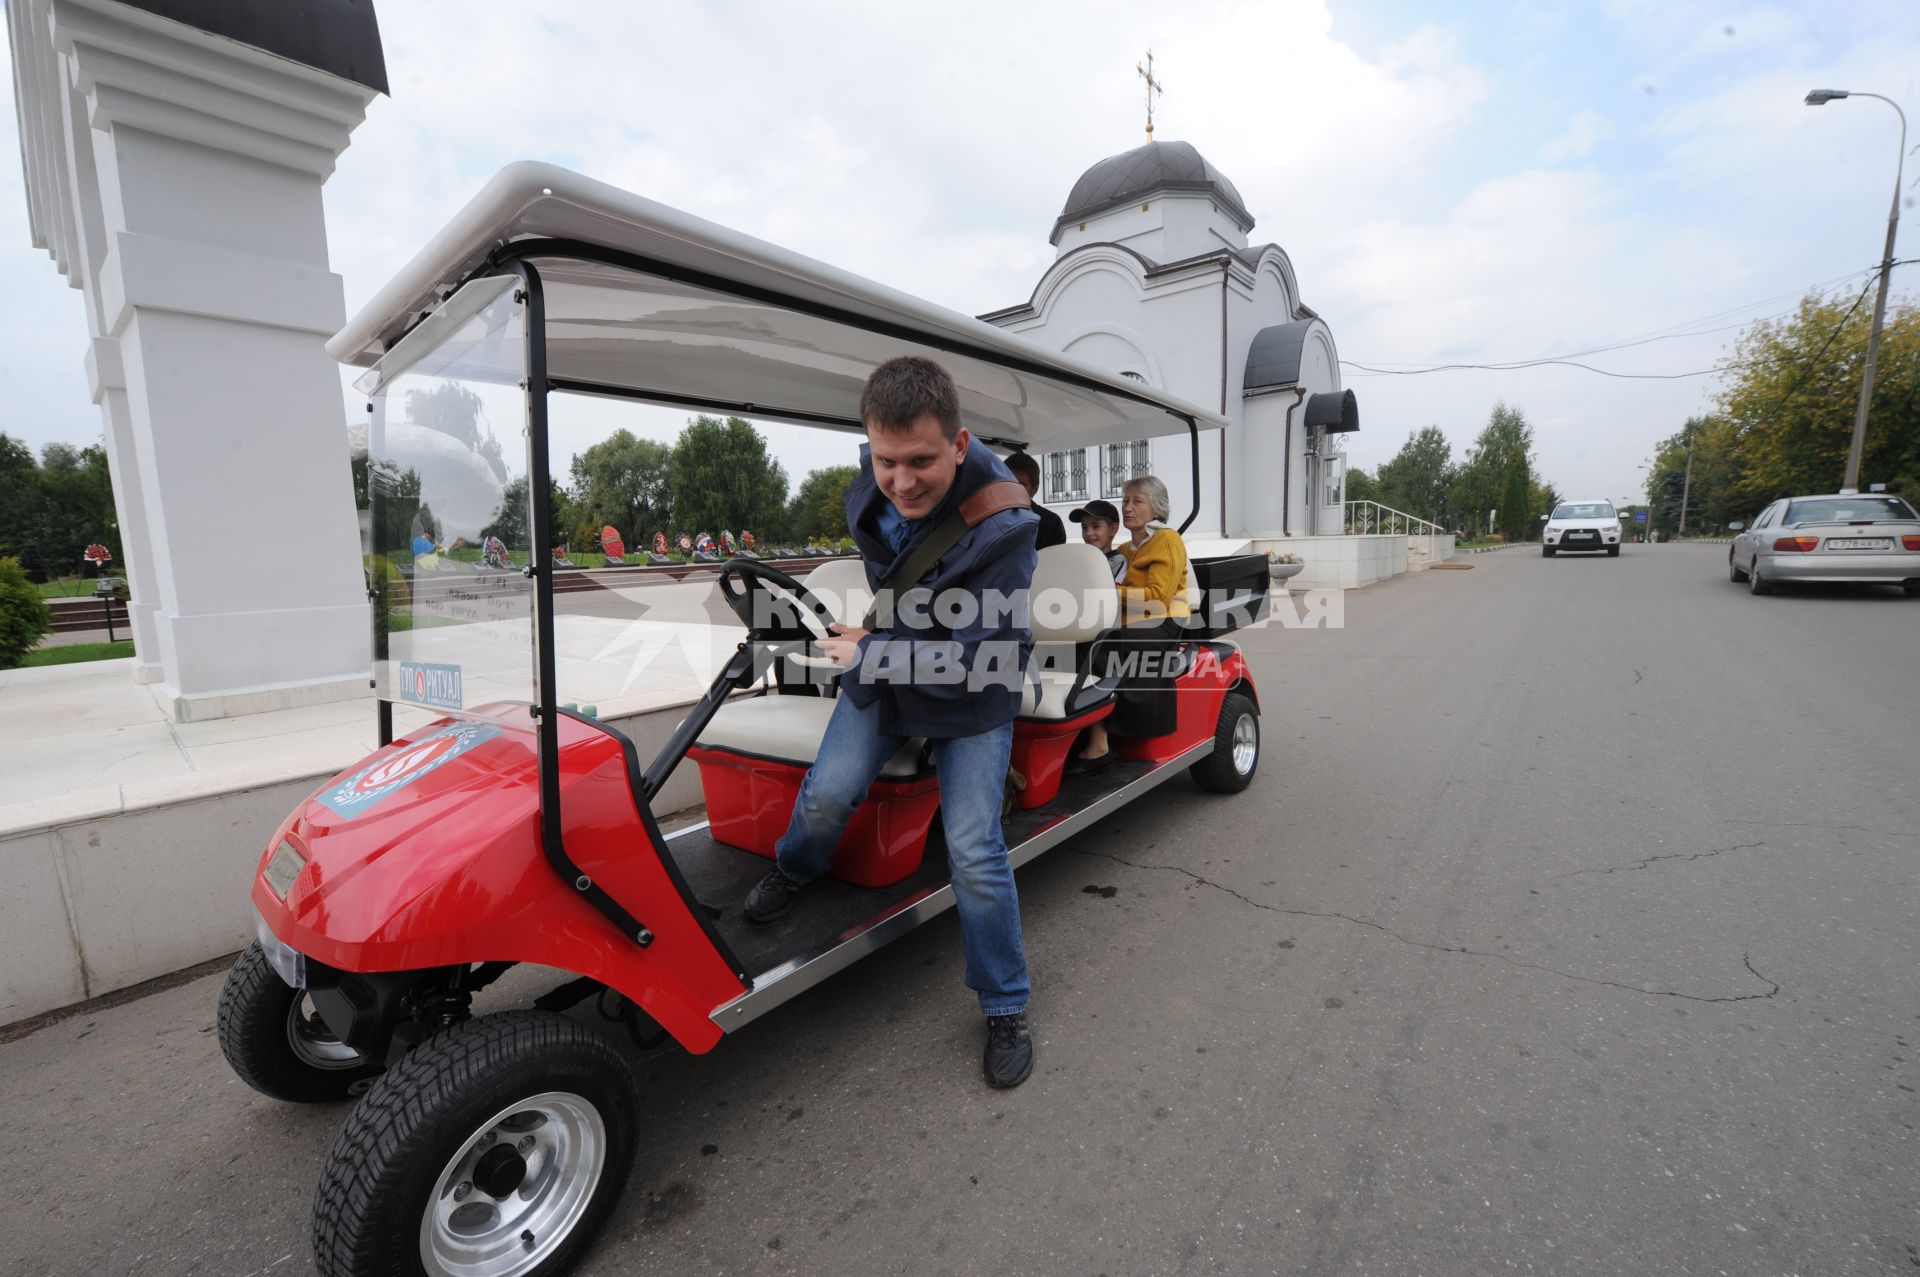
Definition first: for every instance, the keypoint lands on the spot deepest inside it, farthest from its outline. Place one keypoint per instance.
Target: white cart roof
(683, 311)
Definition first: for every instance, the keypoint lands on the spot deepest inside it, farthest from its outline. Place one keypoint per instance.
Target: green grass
(74, 653)
(70, 588)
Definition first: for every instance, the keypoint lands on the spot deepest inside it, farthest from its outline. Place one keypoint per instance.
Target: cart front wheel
(495, 1149)
(274, 1041)
(1236, 747)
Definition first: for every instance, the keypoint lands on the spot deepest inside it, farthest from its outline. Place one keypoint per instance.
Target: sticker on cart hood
(355, 795)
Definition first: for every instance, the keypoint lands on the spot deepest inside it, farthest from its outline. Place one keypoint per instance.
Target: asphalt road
(1569, 927)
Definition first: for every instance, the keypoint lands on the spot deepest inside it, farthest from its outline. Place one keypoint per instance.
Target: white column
(107, 382)
(192, 218)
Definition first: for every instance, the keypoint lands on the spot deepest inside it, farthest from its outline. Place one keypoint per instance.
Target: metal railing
(1370, 518)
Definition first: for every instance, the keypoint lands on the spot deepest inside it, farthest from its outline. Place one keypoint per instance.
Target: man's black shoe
(772, 896)
(1009, 1057)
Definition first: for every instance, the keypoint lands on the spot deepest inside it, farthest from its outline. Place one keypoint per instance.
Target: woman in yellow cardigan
(1153, 597)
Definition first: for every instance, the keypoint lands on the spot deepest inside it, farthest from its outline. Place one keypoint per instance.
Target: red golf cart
(503, 826)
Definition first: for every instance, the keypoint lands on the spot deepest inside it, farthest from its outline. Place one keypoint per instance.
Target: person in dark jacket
(1027, 471)
(946, 661)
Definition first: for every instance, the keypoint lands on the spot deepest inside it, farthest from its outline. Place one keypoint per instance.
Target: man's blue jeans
(973, 774)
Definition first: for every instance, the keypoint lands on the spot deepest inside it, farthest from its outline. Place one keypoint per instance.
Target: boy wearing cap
(1099, 523)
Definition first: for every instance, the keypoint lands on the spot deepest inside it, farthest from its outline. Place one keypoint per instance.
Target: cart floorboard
(836, 923)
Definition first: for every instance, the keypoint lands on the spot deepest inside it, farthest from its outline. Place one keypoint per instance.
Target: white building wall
(1166, 331)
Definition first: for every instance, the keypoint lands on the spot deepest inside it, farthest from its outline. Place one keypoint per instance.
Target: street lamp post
(1820, 97)
(1686, 489)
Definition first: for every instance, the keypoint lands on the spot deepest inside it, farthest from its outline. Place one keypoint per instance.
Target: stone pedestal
(174, 176)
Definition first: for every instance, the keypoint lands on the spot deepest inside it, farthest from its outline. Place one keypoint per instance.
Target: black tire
(447, 1096)
(1546, 552)
(1222, 771)
(1734, 573)
(1754, 584)
(272, 1039)
(1613, 552)
(1912, 588)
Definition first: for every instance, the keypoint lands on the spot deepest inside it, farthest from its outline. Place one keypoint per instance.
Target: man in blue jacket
(946, 665)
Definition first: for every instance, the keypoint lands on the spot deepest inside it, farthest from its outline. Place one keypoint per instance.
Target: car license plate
(1860, 543)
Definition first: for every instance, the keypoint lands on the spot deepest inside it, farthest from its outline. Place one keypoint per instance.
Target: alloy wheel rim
(1246, 743)
(516, 1188)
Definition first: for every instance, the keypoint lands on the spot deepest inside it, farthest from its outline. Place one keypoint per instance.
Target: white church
(1154, 277)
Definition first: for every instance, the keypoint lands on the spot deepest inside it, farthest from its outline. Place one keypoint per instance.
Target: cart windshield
(445, 507)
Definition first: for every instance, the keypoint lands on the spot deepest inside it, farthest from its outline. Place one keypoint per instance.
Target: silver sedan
(1869, 539)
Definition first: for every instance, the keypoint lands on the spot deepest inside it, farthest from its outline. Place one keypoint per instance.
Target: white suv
(1582, 525)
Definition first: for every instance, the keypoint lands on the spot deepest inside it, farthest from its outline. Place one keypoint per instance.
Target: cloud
(1584, 132)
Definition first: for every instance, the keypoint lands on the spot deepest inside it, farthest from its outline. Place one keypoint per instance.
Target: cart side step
(1083, 800)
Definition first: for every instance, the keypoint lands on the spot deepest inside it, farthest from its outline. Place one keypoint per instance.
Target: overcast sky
(1511, 183)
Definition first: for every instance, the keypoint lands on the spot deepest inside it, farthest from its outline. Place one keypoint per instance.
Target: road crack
(1773, 986)
(1654, 860)
(1858, 829)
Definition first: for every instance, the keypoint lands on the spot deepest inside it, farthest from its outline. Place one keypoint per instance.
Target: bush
(24, 618)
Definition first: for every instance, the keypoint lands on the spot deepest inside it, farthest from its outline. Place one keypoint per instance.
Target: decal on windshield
(428, 684)
(355, 795)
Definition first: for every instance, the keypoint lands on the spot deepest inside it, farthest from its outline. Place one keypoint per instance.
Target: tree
(24, 617)
(76, 497)
(510, 524)
(1517, 499)
(627, 482)
(1420, 476)
(1362, 486)
(1498, 475)
(1784, 417)
(19, 495)
(51, 510)
(819, 508)
(723, 478)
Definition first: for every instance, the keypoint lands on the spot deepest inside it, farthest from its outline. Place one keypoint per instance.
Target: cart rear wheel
(1236, 747)
(495, 1149)
(274, 1041)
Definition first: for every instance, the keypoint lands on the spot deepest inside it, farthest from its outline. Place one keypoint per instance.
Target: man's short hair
(907, 388)
(1024, 467)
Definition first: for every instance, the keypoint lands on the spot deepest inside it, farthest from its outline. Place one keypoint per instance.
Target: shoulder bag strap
(991, 499)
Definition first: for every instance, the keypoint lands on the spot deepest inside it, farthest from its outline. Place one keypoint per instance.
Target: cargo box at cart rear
(1233, 594)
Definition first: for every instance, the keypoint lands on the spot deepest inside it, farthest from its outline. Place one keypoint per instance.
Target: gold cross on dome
(1153, 86)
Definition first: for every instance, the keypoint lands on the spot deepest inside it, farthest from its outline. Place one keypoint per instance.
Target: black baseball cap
(1096, 510)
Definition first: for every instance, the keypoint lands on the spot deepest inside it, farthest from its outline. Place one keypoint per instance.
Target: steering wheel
(768, 603)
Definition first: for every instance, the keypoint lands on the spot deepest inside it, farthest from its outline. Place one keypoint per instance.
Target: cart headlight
(283, 867)
(287, 962)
